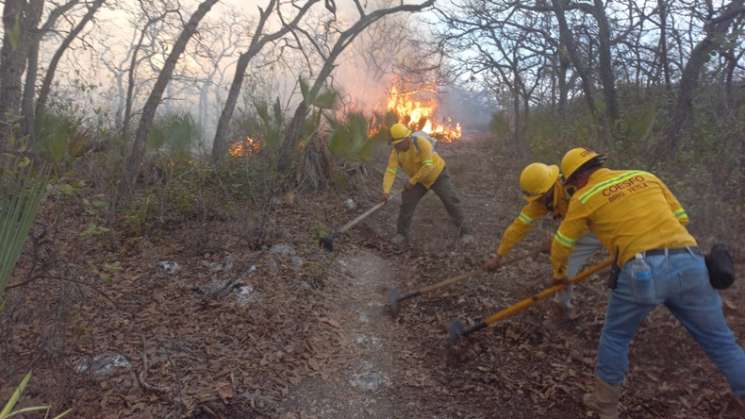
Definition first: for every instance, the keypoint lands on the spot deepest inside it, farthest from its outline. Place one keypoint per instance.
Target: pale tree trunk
(151, 105)
(220, 145)
(46, 85)
(715, 35)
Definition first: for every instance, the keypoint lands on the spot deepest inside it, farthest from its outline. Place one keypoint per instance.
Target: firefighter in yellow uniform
(638, 220)
(545, 194)
(426, 170)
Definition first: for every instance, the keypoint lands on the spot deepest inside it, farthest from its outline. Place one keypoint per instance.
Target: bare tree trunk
(129, 100)
(46, 85)
(715, 31)
(607, 77)
(517, 125)
(563, 86)
(13, 57)
(295, 128)
(29, 89)
(36, 8)
(220, 146)
(567, 39)
(151, 105)
(729, 88)
(664, 62)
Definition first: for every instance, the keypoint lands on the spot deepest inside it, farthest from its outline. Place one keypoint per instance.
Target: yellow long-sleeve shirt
(532, 211)
(421, 163)
(630, 211)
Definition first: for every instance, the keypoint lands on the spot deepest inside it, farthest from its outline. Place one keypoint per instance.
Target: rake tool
(327, 242)
(395, 297)
(456, 330)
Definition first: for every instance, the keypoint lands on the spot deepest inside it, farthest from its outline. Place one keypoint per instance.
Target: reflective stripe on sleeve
(391, 170)
(525, 218)
(564, 240)
(681, 213)
(427, 162)
(606, 184)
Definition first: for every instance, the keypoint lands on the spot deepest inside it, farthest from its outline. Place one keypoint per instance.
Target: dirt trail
(361, 379)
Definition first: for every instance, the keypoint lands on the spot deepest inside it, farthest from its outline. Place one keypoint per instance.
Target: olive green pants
(444, 189)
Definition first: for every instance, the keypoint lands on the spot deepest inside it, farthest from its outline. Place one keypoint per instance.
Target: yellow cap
(574, 159)
(537, 178)
(399, 132)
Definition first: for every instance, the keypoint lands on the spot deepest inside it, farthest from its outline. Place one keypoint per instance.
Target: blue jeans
(681, 282)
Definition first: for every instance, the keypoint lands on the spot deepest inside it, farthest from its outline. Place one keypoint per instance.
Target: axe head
(393, 296)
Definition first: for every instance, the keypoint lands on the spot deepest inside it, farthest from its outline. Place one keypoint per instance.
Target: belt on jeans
(656, 252)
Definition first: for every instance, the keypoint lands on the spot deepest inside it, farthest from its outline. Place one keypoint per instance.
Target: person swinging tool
(642, 224)
(545, 194)
(426, 170)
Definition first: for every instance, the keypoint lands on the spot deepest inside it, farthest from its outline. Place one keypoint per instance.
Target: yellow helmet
(576, 158)
(399, 132)
(537, 178)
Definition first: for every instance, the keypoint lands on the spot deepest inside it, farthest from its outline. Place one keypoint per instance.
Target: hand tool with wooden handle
(456, 329)
(327, 242)
(395, 297)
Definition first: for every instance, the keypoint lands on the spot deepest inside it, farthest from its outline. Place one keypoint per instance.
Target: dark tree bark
(568, 41)
(664, 60)
(716, 30)
(259, 40)
(29, 88)
(563, 68)
(151, 105)
(20, 19)
(605, 68)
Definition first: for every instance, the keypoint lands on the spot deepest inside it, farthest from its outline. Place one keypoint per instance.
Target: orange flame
(419, 115)
(246, 147)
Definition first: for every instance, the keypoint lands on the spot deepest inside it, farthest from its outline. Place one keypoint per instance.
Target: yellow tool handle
(448, 281)
(466, 275)
(548, 292)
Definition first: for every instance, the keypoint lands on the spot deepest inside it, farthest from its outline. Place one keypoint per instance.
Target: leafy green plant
(59, 136)
(176, 134)
(22, 190)
(271, 123)
(349, 138)
(8, 411)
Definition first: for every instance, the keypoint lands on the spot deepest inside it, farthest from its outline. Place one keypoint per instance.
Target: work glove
(492, 264)
(386, 196)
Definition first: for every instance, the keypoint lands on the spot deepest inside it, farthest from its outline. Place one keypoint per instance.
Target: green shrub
(175, 134)
(22, 190)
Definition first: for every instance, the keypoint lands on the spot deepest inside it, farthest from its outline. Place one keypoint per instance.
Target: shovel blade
(393, 296)
(455, 332)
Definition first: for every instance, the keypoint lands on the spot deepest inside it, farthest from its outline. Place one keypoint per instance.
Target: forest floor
(193, 322)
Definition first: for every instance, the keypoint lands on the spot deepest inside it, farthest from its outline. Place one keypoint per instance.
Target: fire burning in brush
(246, 147)
(419, 114)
